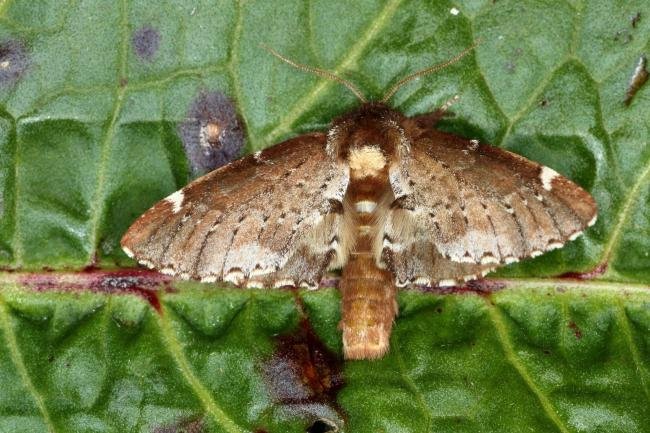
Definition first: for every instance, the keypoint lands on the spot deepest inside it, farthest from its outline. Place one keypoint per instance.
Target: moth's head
(368, 139)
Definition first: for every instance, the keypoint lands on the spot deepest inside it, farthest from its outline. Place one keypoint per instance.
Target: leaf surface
(93, 99)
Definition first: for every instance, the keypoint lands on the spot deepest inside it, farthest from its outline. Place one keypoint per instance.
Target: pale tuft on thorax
(366, 161)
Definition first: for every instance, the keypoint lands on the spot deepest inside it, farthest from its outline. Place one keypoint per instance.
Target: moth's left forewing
(271, 218)
(477, 205)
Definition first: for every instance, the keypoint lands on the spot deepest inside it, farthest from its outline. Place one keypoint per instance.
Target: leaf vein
(18, 361)
(509, 351)
(624, 215)
(634, 351)
(410, 384)
(176, 351)
(99, 202)
(303, 104)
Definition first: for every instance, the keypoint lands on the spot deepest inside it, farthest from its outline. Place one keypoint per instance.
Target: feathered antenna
(319, 72)
(426, 71)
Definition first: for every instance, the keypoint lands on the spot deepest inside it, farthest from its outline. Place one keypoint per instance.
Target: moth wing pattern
(271, 218)
(462, 209)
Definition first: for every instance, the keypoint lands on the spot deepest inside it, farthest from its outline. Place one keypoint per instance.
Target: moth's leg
(429, 120)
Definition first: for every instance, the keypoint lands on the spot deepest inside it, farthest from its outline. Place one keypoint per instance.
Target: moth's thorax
(366, 161)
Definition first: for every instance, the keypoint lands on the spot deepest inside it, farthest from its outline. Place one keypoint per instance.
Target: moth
(387, 198)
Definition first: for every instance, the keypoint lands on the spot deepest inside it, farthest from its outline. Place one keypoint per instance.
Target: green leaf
(92, 96)
(566, 356)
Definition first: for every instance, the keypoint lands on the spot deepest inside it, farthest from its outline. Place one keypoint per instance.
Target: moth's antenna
(319, 72)
(427, 71)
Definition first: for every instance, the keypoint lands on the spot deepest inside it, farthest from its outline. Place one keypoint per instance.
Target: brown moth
(384, 197)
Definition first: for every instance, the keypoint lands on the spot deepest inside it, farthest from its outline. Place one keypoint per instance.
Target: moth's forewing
(473, 207)
(250, 219)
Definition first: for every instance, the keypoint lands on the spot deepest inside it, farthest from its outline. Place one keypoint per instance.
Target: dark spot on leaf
(146, 41)
(124, 81)
(304, 376)
(576, 331)
(544, 103)
(635, 19)
(13, 61)
(185, 425)
(439, 310)
(261, 430)
(212, 135)
(546, 352)
(322, 426)
(597, 271)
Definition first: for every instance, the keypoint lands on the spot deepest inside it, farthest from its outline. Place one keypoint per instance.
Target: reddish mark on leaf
(595, 272)
(576, 331)
(141, 282)
(304, 376)
(481, 287)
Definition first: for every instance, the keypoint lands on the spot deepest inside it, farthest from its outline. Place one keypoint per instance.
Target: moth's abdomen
(368, 292)
(368, 308)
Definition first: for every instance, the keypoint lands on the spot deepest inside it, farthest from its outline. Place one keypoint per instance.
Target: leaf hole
(322, 425)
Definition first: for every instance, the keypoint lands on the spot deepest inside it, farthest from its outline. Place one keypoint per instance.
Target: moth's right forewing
(480, 206)
(248, 220)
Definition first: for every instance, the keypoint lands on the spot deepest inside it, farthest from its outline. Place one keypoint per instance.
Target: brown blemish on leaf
(141, 282)
(212, 135)
(576, 331)
(145, 42)
(304, 376)
(595, 272)
(13, 61)
(638, 79)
